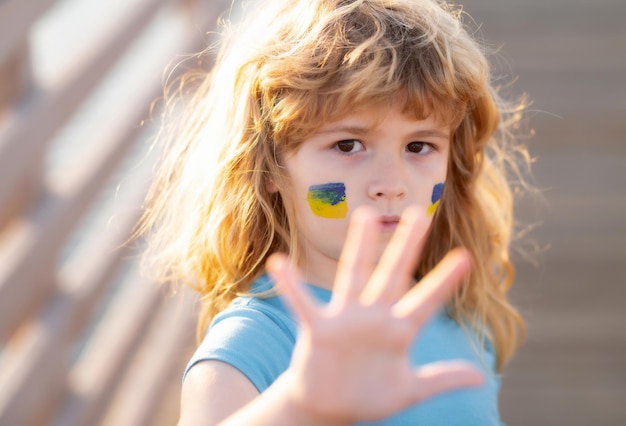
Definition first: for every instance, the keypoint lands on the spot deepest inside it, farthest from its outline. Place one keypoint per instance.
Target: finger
(395, 270)
(358, 256)
(285, 276)
(439, 377)
(434, 289)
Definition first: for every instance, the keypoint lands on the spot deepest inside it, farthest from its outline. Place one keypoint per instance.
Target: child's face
(375, 157)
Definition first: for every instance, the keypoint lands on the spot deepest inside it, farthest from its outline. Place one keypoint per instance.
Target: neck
(322, 274)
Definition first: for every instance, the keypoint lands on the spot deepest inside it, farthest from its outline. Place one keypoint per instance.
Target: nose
(387, 179)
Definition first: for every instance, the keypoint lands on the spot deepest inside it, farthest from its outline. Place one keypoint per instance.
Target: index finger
(285, 276)
(421, 302)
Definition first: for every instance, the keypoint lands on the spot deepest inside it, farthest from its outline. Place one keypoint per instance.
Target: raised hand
(350, 362)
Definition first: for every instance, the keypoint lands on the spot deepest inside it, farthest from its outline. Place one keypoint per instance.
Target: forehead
(369, 118)
(375, 110)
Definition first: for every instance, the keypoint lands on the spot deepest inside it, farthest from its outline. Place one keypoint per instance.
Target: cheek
(434, 199)
(328, 200)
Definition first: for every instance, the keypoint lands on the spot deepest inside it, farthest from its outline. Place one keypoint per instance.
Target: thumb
(439, 377)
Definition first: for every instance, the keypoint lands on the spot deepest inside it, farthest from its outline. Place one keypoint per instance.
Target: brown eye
(348, 146)
(418, 147)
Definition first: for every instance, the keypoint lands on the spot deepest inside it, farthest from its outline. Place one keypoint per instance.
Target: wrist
(300, 409)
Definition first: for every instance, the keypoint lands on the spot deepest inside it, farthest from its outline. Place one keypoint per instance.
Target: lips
(389, 222)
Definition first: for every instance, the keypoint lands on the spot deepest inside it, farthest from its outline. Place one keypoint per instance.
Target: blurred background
(570, 57)
(84, 339)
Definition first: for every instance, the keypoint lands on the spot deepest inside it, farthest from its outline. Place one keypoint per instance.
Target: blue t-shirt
(257, 335)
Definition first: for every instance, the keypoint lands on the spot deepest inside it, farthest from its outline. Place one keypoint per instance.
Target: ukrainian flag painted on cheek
(328, 200)
(434, 198)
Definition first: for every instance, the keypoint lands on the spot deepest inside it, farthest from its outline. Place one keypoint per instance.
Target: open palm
(350, 362)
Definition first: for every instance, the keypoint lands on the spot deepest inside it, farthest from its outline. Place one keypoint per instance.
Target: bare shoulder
(213, 390)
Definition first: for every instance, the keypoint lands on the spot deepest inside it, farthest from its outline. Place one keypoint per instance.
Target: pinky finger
(285, 276)
(439, 377)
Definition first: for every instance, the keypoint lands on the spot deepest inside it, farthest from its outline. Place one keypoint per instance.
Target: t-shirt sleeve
(256, 343)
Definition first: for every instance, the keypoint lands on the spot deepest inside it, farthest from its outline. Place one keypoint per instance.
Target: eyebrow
(359, 130)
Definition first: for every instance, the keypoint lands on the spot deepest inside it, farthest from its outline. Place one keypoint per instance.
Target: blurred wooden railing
(84, 339)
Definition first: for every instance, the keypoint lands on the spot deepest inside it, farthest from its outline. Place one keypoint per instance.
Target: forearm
(277, 406)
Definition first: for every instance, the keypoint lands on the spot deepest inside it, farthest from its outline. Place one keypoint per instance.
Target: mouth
(389, 222)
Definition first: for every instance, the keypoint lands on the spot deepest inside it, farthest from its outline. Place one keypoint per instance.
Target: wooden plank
(157, 367)
(16, 19)
(39, 240)
(91, 275)
(204, 9)
(101, 366)
(51, 108)
(39, 371)
(15, 83)
(39, 380)
(23, 194)
(15, 76)
(27, 377)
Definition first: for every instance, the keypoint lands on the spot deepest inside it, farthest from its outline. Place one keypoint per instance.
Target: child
(357, 137)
